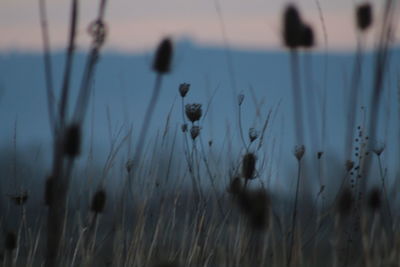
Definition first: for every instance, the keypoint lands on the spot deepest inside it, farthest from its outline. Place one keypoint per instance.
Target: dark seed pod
(364, 16)
(345, 202)
(11, 241)
(249, 166)
(163, 57)
(307, 36)
(48, 191)
(292, 27)
(98, 201)
(72, 140)
(374, 199)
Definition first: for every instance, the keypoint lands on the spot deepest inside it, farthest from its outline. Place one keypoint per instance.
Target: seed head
(72, 141)
(194, 131)
(249, 166)
(193, 112)
(98, 201)
(299, 152)
(163, 57)
(184, 127)
(364, 16)
(11, 241)
(345, 202)
(184, 89)
(374, 199)
(253, 134)
(307, 36)
(292, 27)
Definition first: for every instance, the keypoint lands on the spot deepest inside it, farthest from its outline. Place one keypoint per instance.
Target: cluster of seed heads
(364, 16)
(163, 57)
(193, 112)
(296, 33)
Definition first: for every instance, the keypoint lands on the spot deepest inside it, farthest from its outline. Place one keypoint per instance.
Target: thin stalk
(297, 98)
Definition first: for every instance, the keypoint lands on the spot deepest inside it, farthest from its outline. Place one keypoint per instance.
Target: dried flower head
(240, 99)
(374, 199)
(307, 36)
(364, 16)
(249, 166)
(194, 131)
(253, 134)
(184, 89)
(299, 151)
(292, 27)
(345, 202)
(72, 140)
(163, 57)
(98, 201)
(10, 241)
(193, 112)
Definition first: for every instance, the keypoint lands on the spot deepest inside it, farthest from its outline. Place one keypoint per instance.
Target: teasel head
(292, 27)
(194, 131)
(364, 16)
(72, 140)
(253, 134)
(249, 166)
(307, 36)
(374, 199)
(299, 152)
(98, 201)
(163, 57)
(184, 89)
(193, 112)
(10, 241)
(345, 202)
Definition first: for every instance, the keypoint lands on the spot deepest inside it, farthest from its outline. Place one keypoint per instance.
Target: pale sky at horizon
(139, 25)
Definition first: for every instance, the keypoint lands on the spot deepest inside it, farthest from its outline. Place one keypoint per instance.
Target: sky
(138, 25)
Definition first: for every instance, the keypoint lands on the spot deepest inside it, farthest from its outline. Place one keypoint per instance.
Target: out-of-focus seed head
(374, 199)
(299, 152)
(72, 140)
(193, 112)
(10, 241)
(184, 127)
(98, 201)
(345, 202)
(48, 191)
(20, 199)
(292, 27)
(249, 166)
(184, 89)
(307, 36)
(349, 165)
(253, 134)
(194, 131)
(364, 16)
(320, 154)
(163, 57)
(235, 187)
(240, 99)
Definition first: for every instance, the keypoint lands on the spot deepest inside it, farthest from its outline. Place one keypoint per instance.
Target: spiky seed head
(240, 99)
(236, 186)
(98, 201)
(194, 131)
(163, 57)
(193, 112)
(10, 241)
(364, 16)
(292, 27)
(299, 152)
(349, 165)
(307, 36)
(184, 89)
(253, 134)
(72, 140)
(48, 191)
(374, 199)
(345, 202)
(249, 166)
